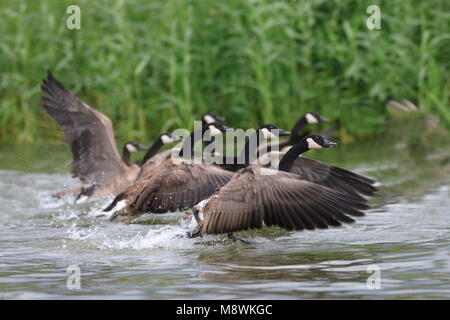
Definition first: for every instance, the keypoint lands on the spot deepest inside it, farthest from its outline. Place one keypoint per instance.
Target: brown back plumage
(257, 196)
(132, 192)
(89, 134)
(179, 186)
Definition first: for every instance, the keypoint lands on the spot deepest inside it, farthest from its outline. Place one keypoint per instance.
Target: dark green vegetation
(155, 65)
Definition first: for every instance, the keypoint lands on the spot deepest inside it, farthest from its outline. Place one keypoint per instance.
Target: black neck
(209, 139)
(249, 150)
(301, 123)
(190, 141)
(290, 156)
(247, 155)
(152, 151)
(295, 139)
(126, 155)
(280, 144)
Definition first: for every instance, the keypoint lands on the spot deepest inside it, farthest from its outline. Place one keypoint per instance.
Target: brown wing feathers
(88, 133)
(333, 177)
(176, 187)
(282, 199)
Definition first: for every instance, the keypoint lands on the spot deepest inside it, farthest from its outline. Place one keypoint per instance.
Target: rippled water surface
(405, 235)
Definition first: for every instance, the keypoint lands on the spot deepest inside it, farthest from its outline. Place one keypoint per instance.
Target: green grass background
(155, 65)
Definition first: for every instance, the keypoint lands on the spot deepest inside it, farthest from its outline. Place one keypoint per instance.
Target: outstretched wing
(254, 198)
(176, 187)
(333, 177)
(88, 133)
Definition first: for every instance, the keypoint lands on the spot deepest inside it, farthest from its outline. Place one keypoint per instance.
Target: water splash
(109, 238)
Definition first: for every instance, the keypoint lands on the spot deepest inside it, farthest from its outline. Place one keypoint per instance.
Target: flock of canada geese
(292, 192)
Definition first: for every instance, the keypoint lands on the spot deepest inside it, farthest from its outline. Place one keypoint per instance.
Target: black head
(167, 138)
(315, 141)
(133, 146)
(210, 117)
(315, 117)
(272, 131)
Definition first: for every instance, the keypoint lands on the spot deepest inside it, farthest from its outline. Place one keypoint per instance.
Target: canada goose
(130, 194)
(151, 159)
(397, 108)
(249, 151)
(296, 132)
(308, 118)
(174, 184)
(401, 109)
(90, 136)
(163, 139)
(258, 196)
(129, 148)
(78, 192)
(209, 117)
(322, 173)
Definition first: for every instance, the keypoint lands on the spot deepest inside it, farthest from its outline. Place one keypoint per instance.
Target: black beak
(176, 138)
(283, 133)
(329, 144)
(323, 119)
(219, 118)
(142, 148)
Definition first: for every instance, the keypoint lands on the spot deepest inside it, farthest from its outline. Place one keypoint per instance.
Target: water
(405, 235)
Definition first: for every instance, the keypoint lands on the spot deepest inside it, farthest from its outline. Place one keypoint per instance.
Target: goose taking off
(175, 184)
(296, 133)
(90, 137)
(258, 196)
(151, 159)
(249, 152)
(322, 173)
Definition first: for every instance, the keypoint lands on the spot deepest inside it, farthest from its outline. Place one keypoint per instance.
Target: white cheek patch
(166, 139)
(209, 119)
(119, 206)
(267, 134)
(214, 131)
(192, 224)
(312, 144)
(131, 148)
(199, 206)
(311, 119)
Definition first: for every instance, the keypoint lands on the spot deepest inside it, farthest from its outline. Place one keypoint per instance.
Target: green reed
(152, 66)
